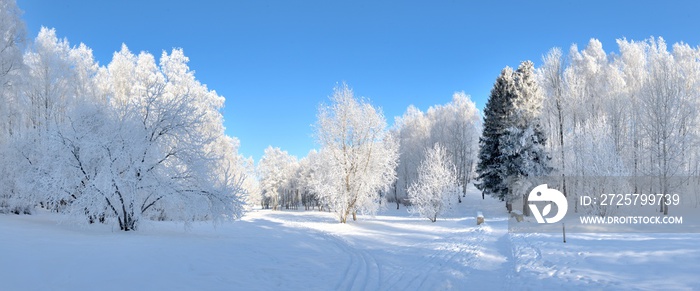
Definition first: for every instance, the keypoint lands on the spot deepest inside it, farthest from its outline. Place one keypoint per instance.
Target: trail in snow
(398, 252)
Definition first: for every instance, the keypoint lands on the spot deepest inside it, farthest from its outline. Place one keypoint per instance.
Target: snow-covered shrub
(435, 191)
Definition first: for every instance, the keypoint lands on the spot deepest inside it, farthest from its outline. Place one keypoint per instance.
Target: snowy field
(295, 250)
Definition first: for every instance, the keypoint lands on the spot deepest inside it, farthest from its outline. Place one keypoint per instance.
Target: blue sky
(276, 61)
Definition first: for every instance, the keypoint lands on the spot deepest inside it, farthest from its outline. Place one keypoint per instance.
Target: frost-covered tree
(359, 155)
(455, 125)
(276, 170)
(412, 130)
(594, 146)
(158, 150)
(38, 106)
(522, 157)
(529, 98)
(12, 42)
(433, 193)
(668, 105)
(523, 151)
(512, 147)
(57, 78)
(131, 141)
(551, 80)
(50, 78)
(321, 185)
(631, 63)
(304, 175)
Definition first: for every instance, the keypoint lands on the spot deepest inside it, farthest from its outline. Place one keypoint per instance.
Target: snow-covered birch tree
(667, 108)
(359, 154)
(434, 192)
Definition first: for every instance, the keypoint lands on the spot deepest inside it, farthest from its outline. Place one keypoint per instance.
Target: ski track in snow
(362, 273)
(462, 253)
(460, 249)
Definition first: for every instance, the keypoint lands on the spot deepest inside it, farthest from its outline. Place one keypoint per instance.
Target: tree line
(362, 163)
(623, 122)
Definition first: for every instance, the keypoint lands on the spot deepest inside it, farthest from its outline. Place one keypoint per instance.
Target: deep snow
(296, 250)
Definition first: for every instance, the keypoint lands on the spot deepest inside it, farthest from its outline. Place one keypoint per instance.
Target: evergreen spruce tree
(523, 156)
(512, 145)
(497, 116)
(522, 146)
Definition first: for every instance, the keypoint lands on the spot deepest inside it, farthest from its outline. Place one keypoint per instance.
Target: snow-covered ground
(296, 250)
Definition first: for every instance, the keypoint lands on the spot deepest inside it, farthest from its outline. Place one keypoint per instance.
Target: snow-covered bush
(435, 191)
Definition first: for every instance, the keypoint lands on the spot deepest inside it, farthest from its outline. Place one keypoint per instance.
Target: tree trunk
(561, 145)
(526, 208)
(396, 196)
(128, 223)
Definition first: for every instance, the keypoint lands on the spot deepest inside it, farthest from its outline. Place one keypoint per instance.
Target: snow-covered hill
(294, 250)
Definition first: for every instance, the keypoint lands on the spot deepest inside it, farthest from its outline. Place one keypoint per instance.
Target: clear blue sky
(275, 61)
